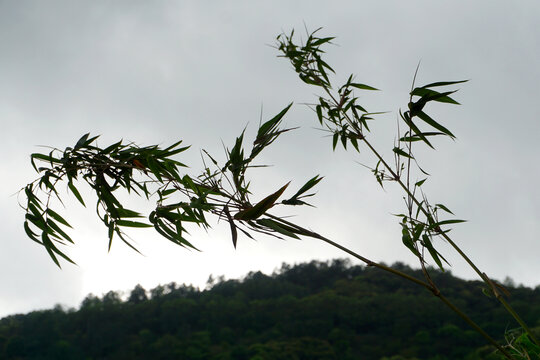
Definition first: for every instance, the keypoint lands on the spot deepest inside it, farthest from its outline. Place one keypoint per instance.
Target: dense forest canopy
(316, 310)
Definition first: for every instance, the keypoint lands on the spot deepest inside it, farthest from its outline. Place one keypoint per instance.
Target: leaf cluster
(152, 172)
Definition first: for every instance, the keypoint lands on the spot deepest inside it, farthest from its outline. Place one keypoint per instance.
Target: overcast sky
(155, 72)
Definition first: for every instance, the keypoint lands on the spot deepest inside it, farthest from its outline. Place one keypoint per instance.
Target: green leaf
(129, 223)
(272, 124)
(344, 140)
(434, 253)
(486, 292)
(354, 142)
(30, 233)
(280, 228)
(417, 231)
(111, 148)
(444, 222)
(402, 153)
(420, 183)
(76, 193)
(170, 148)
(48, 158)
(57, 217)
(234, 232)
(453, 221)
(51, 249)
(422, 115)
(414, 128)
(335, 140)
(80, 143)
(261, 207)
(308, 185)
(407, 241)
(441, 206)
(56, 228)
(154, 167)
(318, 109)
(417, 138)
(322, 71)
(432, 95)
(166, 192)
(444, 83)
(362, 86)
(321, 41)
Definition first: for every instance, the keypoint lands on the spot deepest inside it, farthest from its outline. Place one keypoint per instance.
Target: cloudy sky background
(156, 72)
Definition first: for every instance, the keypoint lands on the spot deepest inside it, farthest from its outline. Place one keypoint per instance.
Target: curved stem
(475, 326)
(430, 287)
(444, 235)
(482, 275)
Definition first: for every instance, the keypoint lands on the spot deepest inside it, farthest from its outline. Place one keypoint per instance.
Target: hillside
(308, 311)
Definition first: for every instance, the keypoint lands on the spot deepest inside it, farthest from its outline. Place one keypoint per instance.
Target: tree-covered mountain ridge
(316, 310)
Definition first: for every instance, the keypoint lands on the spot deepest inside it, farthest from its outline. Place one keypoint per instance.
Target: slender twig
(428, 286)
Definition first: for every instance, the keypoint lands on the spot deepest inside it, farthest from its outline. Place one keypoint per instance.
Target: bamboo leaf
(271, 124)
(261, 207)
(130, 223)
(335, 140)
(56, 228)
(427, 95)
(80, 143)
(362, 86)
(453, 221)
(30, 233)
(318, 110)
(434, 254)
(76, 193)
(402, 153)
(441, 206)
(444, 83)
(414, 128)
(234, 233)
(57, 217)
(422, 115)
(274, 225)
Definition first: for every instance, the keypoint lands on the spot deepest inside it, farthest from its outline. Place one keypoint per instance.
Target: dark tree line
(316, 310)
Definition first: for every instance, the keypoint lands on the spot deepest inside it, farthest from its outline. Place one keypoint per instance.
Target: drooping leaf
(32, 235)
(335, 140)
(402, 153)
(435, 255)
(276, 226)
(57, 217)
(234, 232)
(76, 193)
(407, 241)
(318, 110)
(427, 119)
(56, 228)
(405, 116)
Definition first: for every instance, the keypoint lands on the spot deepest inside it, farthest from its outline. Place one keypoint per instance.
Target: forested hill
(308, 311)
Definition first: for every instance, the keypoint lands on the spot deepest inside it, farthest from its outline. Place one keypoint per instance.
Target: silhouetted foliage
(316, 310)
